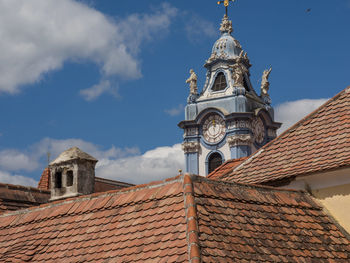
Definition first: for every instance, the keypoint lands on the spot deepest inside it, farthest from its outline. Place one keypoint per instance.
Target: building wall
(332, 190)
(225, 150)
(337, 201)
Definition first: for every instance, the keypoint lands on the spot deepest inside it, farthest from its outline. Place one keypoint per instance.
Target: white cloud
(291, 112)
(156, 164)
(138, 28)
(95, 91)
(198, 27)
(13, 160)
(175, 111)
(8, 178)
(123, 164)
(38, 36)
(55, 147)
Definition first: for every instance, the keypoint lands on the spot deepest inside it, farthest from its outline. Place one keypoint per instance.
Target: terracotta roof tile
(183, 219)
(239, 223)
(319, 142)
(44, 183)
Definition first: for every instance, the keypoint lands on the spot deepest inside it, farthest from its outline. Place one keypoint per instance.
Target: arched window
(220, 82)
(215, 160)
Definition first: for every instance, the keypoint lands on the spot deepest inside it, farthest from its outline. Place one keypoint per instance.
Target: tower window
(69, 178)
(215, 160)
(220, 82)
(58, 179)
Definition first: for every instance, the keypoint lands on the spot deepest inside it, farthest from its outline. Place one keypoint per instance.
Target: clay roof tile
(182, 219)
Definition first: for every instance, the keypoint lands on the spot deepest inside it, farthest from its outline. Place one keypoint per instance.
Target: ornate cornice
(240, 139)
(190, 147)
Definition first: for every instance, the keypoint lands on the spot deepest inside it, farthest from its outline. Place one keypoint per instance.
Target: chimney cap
(72, 154)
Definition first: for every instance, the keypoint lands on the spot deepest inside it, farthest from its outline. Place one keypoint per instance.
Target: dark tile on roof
(319, 142)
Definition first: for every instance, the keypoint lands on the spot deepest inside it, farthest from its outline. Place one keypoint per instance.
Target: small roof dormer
(72, 173)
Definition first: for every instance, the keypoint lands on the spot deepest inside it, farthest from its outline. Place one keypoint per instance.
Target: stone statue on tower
(265, 84)
(192, 80)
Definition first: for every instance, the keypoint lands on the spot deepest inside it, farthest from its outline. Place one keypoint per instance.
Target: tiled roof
(15, 197)
(226, 168)
(319, 142)
(44, 183)
(182, 219)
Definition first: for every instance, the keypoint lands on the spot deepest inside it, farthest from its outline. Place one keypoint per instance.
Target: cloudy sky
(108, 76)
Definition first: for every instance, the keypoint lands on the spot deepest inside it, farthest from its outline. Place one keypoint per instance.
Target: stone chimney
(72, 174)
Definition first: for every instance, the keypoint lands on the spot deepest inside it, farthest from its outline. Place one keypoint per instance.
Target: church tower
(227, 119)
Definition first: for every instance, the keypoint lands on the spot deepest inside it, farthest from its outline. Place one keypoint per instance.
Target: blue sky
(109, 76)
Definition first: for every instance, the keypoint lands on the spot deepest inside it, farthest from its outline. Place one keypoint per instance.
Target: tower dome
(226, 47)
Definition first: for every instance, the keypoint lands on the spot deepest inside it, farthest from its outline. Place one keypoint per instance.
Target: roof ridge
(297, 124)
(255, 186)
(290, 129)
(192, 229)
(22, 187)
(140, 187)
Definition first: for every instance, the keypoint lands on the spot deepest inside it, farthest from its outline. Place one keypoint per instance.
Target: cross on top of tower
(226, 3)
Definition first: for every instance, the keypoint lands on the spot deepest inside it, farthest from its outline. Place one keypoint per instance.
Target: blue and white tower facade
(227, 119)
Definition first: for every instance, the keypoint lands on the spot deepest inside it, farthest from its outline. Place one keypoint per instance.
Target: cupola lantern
(227, 119)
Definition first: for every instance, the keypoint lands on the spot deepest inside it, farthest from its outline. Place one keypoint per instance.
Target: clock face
(258, 130)
(214, 128)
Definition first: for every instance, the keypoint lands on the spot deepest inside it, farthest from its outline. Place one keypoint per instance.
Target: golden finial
(226, 3)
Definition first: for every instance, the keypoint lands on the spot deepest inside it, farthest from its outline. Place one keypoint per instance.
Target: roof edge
(22, 187)
(293, 127)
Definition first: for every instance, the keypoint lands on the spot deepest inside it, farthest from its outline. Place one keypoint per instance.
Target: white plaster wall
(225, 150)
(332, 190)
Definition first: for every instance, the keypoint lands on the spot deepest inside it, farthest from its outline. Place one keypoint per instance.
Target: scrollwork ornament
(239, 139)
(189, 147)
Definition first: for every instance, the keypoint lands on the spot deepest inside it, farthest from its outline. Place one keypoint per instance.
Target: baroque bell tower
(227, 119)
